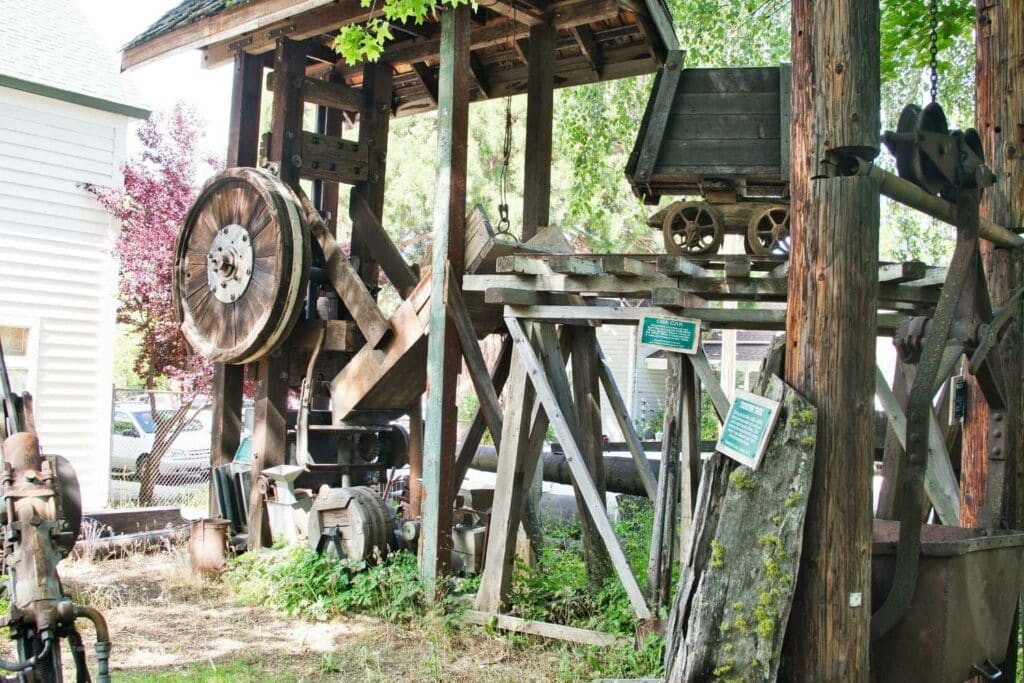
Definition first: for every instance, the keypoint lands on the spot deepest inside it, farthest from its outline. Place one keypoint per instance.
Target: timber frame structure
(838, 296)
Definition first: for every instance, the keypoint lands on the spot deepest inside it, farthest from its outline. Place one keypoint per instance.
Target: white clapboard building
(64, 114)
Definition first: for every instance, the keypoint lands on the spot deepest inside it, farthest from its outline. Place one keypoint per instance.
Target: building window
(17, 345)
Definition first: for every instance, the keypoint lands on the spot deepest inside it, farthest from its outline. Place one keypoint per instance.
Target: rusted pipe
(909, 194)
(102, 640)
(34, 659)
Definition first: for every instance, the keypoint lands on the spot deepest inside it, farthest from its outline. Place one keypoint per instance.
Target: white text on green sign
(681, 335)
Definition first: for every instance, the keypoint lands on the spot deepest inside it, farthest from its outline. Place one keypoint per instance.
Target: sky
(164, 82)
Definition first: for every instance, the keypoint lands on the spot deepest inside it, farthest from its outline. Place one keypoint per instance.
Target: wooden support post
(833, 289)
(270, 437)
(517, 462)
(540, 104)
(471, 441)
(415, 460)
(587, 399)
(243, 150)
(999, 101)
(1000, 48)
(374, 124)
(333, 125)
(443, 356)
(689, 446)
(666, 505)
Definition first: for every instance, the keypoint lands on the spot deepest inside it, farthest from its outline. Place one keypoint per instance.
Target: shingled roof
(187, 12)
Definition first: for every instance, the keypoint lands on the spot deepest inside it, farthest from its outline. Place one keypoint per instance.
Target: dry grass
(167, 625)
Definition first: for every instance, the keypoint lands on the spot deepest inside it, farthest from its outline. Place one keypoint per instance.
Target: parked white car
(134, 432)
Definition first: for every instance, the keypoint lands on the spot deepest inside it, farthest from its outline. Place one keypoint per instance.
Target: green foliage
(366, 42)
(300, 582)
(557, 590)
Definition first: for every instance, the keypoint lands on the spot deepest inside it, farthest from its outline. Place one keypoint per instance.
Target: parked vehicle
(134, 432)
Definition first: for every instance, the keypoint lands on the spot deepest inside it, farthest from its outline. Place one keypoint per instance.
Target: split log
(737, 580)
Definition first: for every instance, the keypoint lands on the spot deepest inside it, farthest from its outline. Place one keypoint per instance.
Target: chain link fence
(160, 450)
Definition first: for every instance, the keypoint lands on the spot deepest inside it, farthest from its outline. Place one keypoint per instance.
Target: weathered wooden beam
(539, 121)
(562, 16)
(381, 248)
(286, 110)
(259, 36)
(667, 81)
(587, 403)
(569, 634)
(443, 355)
(243, 150)
(485, 391)
(510, 9)
(428, 79)
(270, 431)
(231, 22)
(326, 93)
(517, 461)
(666, 504)
(346, 281)
(477, 425)
(830, 351)
(940, 482)
(368, 239)
(584, 36)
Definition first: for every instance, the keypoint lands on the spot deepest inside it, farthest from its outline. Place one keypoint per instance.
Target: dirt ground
(168, 626)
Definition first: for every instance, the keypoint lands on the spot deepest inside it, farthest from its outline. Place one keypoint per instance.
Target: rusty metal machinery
(949, 163)
(41, 516)
(353, 523)
(697, 228)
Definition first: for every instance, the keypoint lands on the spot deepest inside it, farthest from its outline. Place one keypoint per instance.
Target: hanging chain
(933, 46)
(504, 224)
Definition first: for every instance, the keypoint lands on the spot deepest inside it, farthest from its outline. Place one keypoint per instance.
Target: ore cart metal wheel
(768, 232)
(242, 263)
(693, 228)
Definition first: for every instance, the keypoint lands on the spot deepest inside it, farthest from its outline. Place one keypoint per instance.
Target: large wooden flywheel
(241, 267)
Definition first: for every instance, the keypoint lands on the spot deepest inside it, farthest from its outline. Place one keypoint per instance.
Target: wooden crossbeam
(428, 79)
(377, 240)
(584, 36)
(326, 93)
(513, 11)
(940, 481)
(294, 21)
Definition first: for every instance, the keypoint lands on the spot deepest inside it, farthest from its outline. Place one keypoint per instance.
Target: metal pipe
(620, 472)
(102, 640)
(909, 194)
(33, 660)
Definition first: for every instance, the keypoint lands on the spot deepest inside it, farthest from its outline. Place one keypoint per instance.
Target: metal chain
(504, 224)
(933, 46)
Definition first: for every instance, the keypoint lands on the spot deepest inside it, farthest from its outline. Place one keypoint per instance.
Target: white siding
(57, 275)
(617, 342)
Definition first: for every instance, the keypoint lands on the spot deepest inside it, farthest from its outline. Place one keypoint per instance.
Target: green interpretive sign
(681, 335)
(747, 428)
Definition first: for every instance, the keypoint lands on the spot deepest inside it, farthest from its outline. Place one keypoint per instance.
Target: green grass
(231, 672)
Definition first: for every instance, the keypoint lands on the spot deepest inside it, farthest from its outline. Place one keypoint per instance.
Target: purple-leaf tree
(160, 184)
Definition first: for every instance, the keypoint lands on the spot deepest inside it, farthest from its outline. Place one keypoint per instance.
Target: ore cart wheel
(242, 265)
(768, 232)
(693, 228)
